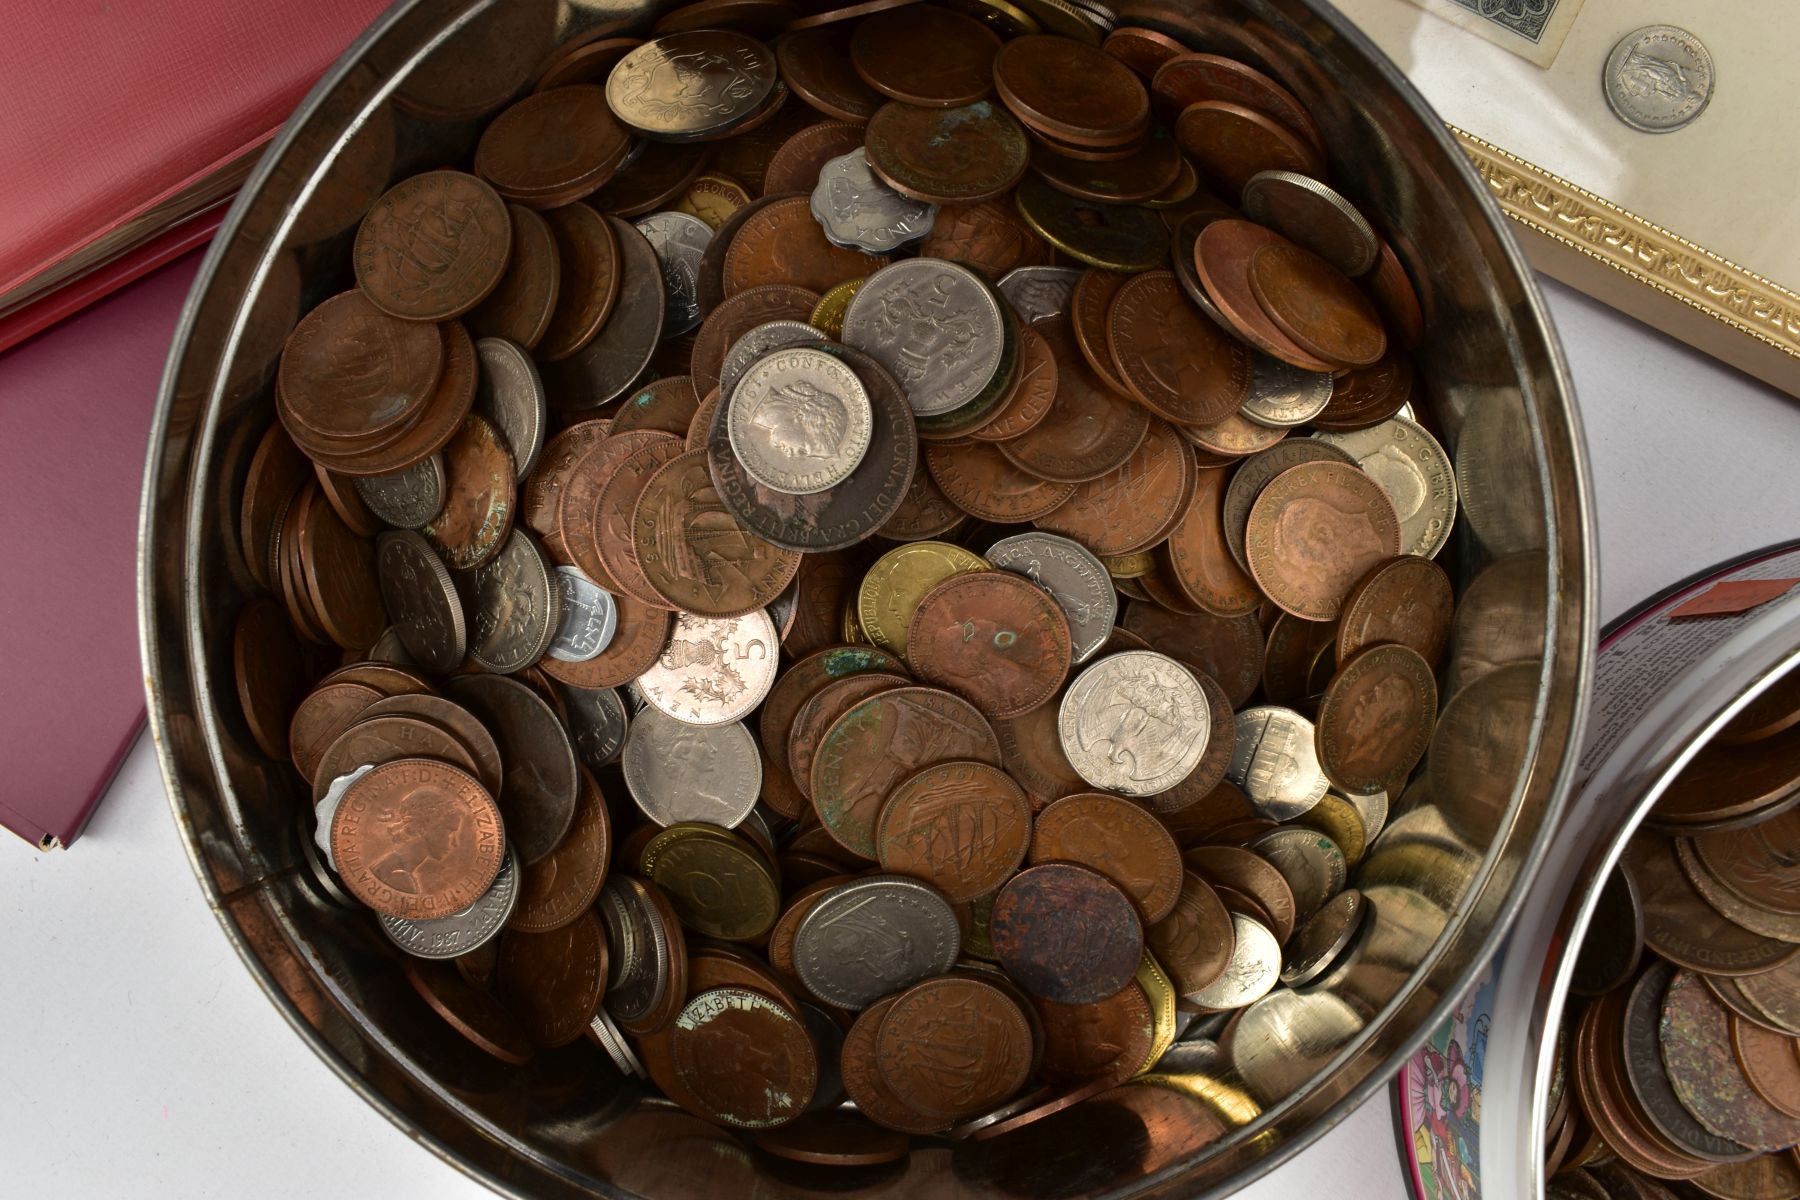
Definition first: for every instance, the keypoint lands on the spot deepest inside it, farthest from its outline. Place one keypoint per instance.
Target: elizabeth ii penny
(926, 56)
(433, 246)
(1071, 92)
(994, 638)
(1173, 359)
(1313, 532)
(417, 839)
(1406, 601)
(1066, 933)
(962, 827)
(1376, 719)
(1089, 431)
(1120, 840)
(1316, 305)
(954, 1015)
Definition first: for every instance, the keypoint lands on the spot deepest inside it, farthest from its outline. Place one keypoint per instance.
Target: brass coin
(1350, 526)
(1175, 361)
(1316, 306)
(1376, 719)
(926, 56)
(947, 155)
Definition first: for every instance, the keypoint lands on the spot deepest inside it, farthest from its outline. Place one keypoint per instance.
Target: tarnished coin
(1120, 840)
(935, 325)
(417, 839)
(692, 86)
(949, 156)
(1276, 762)
(1253, 970)
(1658, 78)
(542, 784)
(962, 827)
(1695, 1036)
(588, 618)
(679, 772)
(693, 552)
(1406, 601)
(1414, 471)
(993, 638)
(598, 723)
(872, 937)
(927, 56)
(445, 275)
(1282, 395)
(713, 670)
(747, 1060)
(479, 496)
(1039, 293)
(954, 1019)
(611, 359)
(1315, 530)
(1315, 216)
(422, 601)
(799, 421)
(554, 981)
(721, 886)
(1066, 933)
(406, 499)
(515, 607)
(859, 211)
(1135, 723)
(1072, 576)
(1376, 719)
(679, 240)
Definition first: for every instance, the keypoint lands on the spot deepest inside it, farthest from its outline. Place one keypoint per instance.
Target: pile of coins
(883, 459)
(1684, 1062)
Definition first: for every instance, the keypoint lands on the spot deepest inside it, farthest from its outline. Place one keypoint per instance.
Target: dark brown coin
(1089, 431)
(1234, 867)
(925, 513)
(1143, 50)
(1072, 92)
(588, 249)
(1406, 601)
(737, 315)
(614, 509)
(433, 246)
(1107, 1040)
(1174, 360)
(960, 826)
(1229, 143)
(748, 1060)
(1194, 943)
(653, 179)
(993, 637)
(577, 528)
(1198, 553)
(1222, 257)
(1314, 531)
(833, 1138)
(815, 64)
(1683, 928)
(1066, 933)
(1118, 839)
(417, 839)
(638, 640)
(1696, 1049)
(988, 237)
(984, 482)
(1316, 306)
(1190, 78)
(795, 165)
(1135, 506)
(471, 1012)
(320, 718)
(1152, 168)
(478, 496)
(1229, 649)
(351, 373)
(947, 155)
(927, 56)
(1376, 719)
(1033, 394)
(557, 889)
(1031, 749)
(954, 1047)
(553, 147)
(554, 981)
(865, 1084)
(821, 711)
(447, 715)
(782, 243)
(1770, 1061)
(693, 552)
(373, 740)
(1368, 395)
(542, 781)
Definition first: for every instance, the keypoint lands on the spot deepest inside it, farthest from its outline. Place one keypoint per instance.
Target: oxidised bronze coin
(954, 1020)
(417, 839)
(1174, 360)
(962, 827)
(1406, 601)
(693, 552)
(994, 638)
(1067, 933)
(1376, 719)
(928, 56)
(1118, 839)
(1316, 305)
(1314, 531)
(433, 246)
(947, 155)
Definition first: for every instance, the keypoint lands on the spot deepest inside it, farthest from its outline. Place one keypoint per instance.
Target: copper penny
(692, 551)
(1683, 928)
(1376, 719)
(478, 505)
(1697, 1050)
(947, 155)
(540, 495)
(1174, 360)
(1089, 306)
(433, 246)
(1066, 933)
(417, 839)
(928, 56)
(1194, 942)
(588, 249)
(954, 1020)
(1107, 1040)
(782, 243)
(834, 1138)
(739, 314)
(1229, 143)
(1229, 649)
(580, 492)
(1188, 79)
(960, 826)
(1367, 395)
(821, 711)
(1118, 839)
(983, 481)
(1222, 257)
(1203, 781)
(795, 165)
(815, 64)
(1031, 749)
(614, 509)
(553, 147)
(1199, 553)
(1143, 50)
(319, 720)
(351, 372)
(1034, 391)
(1070, 91)
(1771, 1062)
(1406, 601)
(1151, 169)
(865, 1083)
(1313, 532)
(1137, 505)
(807, 677)
(1316, 305)
(881, 741)
(637, 642)
(926, 512)
(557, 889)
(554, 981)
(653, 179)
(1237, 868)
(995, 638)
(988, 237)
(746, 1059)
(1089, 431)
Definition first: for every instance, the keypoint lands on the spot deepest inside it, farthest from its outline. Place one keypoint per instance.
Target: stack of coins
(1683, 1063)
(839, 600)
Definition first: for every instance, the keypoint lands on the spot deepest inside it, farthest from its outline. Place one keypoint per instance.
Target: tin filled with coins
(903, 595)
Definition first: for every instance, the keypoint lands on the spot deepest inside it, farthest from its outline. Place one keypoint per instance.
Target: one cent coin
(1066, 933)
(1313, 532)
(1406, 601)
(992, 637)
(417, 839)
(1118, 839)
(433, 246)
(963, 827)
(554, 981)
(970, 1022)
(1376, 719)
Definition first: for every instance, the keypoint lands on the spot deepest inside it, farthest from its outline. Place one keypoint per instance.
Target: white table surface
(144, 1062)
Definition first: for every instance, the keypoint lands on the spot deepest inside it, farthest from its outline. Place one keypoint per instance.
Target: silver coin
(859, 212)
(678, 772)
(714, 669)
(1254, 473)
(639, 956)
(590, 617)
(1310, 861)
(872, 937)
(421, 600)
(406, 499)
(1414, 471)
(538, 796)
(1658, 78)
(763, 339)
(1136, 723)
(1075, 579)
(613, 1041)
(510, 393)
(1276, 763)
(598, 723)
(1314, 215)
(1255, 965)
(692, 85)
(1283, 395)
(461, 932)
(935, 325)
(1317, 945)
(799, 421)
(679, 240)
(610, 365)
(1039, 293)
(326, 810)
(515, 607)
